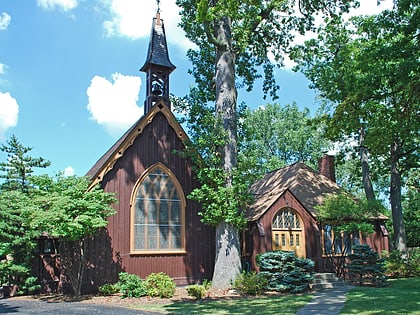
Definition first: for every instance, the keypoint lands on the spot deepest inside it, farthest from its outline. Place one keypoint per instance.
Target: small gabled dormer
(157, 67)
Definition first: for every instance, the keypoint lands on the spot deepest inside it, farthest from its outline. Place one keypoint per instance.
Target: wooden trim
(134, 132)
(180, 191)
(158, 252)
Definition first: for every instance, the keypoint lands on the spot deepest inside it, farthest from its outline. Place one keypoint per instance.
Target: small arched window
(158, 206)
(286, 219)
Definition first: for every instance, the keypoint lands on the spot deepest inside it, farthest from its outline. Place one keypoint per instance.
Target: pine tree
(365, 266)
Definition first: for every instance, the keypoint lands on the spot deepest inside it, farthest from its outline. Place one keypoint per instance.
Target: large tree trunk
(228, 259)
(367, 183)
(400, 237)
(227, 265)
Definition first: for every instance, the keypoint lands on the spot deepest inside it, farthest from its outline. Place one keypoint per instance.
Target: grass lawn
(267, 305)
(401, 296)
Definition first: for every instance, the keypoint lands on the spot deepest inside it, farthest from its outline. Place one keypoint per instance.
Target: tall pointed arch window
(158, 206)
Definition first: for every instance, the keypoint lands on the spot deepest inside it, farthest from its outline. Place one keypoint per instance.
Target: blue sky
(69, 79)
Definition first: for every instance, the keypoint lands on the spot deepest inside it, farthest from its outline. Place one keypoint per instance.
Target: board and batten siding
(156, 144)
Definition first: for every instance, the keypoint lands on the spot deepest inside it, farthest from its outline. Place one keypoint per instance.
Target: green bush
(197, 291)
(109, 288)
(250, 283)
(131, 285)
(30, 286)
(365, 266)
(399, 266)
(160, 284)
(285, 272)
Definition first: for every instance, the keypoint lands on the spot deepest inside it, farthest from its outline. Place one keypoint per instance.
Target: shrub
(131, 285)
(250, 283)
(160, 284)
(399, 266)
(285, 272)
(109, 289)
(365, 266)
(197, 291)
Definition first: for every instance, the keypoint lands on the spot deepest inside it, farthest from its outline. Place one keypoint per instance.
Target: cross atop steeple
(158, 6)
(157, 66)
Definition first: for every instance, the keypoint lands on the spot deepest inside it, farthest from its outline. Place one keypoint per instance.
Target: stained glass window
(158, 213)
(286, 219)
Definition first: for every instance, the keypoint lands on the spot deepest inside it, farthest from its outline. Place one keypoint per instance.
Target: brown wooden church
(157, 229)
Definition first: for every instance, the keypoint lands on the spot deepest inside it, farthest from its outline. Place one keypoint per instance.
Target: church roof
(307, 185)
(107, 161)
(158, 49)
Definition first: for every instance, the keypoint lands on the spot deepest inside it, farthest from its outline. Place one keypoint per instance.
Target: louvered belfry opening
(157, 67)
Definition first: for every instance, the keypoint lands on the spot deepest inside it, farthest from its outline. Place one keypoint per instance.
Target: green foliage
(250, 283)
(198, 291)
(285, 272)
(155, 284)
(260, 29)
(402, 266)
(273, 136)
(160, 284)
(367, 70)
(30, 286)
(19, 166)
(67, 209)
(131, 285)
(109, 288)
(411, 206)
(365, 266)
(346, 214)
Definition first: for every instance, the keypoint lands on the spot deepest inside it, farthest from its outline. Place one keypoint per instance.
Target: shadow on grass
(401, 296)
(253, 305)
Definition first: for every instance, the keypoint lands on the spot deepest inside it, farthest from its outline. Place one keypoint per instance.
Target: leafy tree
(273, 136)
(235, 40)
(16, 240)
(368, 68)
(411, 205)
(69, 211)
(19, 165)
(346, 214)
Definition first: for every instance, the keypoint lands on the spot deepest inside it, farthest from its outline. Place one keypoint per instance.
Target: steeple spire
(157, 66)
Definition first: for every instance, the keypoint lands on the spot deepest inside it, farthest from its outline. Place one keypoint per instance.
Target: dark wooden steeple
(157, 67)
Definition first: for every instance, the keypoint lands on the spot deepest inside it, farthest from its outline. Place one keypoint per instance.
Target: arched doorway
(287, 232)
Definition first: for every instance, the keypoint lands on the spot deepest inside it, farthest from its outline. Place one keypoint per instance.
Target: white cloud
(65, 5)
(4, 21)
(68, 171)
(133, 19)
(2, 68)
(113, 104)
(9, 110)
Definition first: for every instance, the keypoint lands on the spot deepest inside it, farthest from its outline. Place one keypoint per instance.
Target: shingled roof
(307, 185)
(158, 49)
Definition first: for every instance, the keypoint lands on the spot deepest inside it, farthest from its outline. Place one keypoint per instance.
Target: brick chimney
(326, 166)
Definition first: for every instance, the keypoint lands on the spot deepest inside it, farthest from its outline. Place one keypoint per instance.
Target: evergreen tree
(19, 165)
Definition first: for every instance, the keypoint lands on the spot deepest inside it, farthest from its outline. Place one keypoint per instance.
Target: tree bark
(228, 259)
(228, 262)
(400, 237)
(367, 183)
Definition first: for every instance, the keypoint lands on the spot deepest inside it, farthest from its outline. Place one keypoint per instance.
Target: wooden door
(287, 232)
